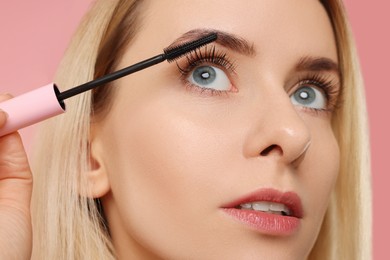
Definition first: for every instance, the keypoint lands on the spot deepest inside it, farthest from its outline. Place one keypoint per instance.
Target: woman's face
(228, 154)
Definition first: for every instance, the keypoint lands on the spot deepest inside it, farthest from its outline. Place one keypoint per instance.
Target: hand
(15, 196)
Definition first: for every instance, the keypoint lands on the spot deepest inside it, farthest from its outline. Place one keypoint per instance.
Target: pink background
(34, 36)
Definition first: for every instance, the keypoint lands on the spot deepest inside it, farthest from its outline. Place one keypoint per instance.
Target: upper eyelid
(206, 54)
(325, 81)
(317, 64)
(315, 76)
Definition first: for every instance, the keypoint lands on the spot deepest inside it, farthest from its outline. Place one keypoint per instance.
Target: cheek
(163, 152)
(165, 171)
(163, 144)
(321, 168)
(148, 156)
(163, 166)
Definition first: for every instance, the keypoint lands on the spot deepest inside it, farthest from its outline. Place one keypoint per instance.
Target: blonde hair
(66, 224)
(70, 226)
(346, 229)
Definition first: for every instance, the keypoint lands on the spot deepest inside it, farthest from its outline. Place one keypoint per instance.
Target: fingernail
(5, 113)
(5, 96)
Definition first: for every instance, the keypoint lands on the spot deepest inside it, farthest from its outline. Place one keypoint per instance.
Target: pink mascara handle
(30, 108)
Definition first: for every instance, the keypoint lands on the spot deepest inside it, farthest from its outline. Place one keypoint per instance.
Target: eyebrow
(230, 41)
(317, 64)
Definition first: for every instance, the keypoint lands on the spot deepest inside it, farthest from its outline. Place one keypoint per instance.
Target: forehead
(282, 27)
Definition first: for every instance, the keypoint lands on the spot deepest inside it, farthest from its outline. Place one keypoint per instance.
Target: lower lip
(270, 224)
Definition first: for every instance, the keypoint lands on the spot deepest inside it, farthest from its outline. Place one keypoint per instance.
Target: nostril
(270, 149)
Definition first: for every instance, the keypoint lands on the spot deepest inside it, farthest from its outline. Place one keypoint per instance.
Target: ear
(97, 178)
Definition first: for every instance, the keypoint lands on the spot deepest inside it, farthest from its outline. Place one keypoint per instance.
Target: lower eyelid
(206, 92)
(316, 112)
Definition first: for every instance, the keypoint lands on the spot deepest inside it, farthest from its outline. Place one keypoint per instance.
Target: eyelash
(220, 59)
(324, 83)
(208, 56)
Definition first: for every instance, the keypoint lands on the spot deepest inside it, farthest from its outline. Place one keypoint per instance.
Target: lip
(267, 223)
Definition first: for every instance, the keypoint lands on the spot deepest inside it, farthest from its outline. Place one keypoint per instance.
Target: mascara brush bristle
(173, 53)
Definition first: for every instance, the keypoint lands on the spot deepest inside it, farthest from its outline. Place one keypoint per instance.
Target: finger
(15, 173)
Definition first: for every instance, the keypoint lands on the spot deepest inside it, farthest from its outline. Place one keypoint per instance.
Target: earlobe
(96, 176)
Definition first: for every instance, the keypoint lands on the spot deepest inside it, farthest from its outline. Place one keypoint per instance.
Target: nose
(278, 131)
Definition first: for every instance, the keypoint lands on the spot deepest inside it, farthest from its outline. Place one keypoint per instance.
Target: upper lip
(289, 199)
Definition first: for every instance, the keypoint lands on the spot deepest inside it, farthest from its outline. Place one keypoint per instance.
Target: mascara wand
(48, 101)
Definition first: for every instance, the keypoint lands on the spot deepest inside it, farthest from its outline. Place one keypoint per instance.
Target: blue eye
(311, 97)
(210, 77)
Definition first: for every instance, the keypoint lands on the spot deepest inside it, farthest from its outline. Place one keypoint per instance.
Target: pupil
(204, 75)
(304, 95)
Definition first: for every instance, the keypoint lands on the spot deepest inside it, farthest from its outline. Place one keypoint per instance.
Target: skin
(167, 157)
(15, 195)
